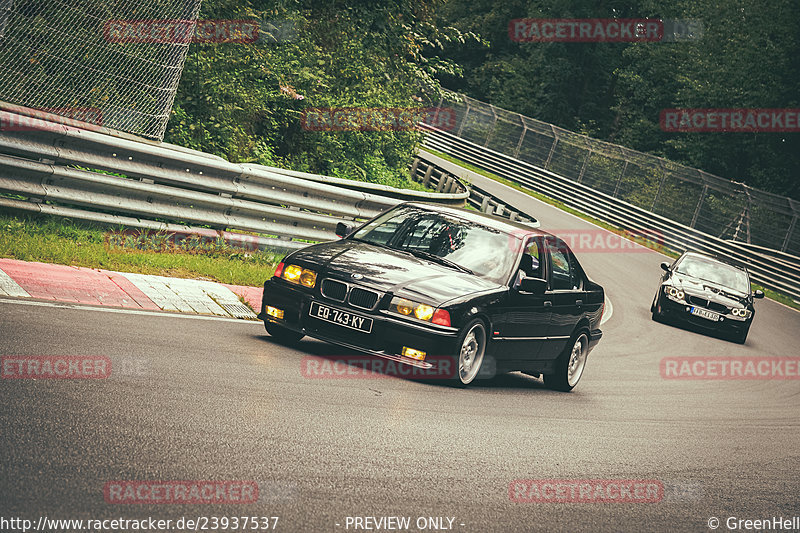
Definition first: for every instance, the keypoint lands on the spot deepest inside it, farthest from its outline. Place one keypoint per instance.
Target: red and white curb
(22, 279)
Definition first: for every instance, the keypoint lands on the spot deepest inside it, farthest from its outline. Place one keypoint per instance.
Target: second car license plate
(697, 311)
(342, 318)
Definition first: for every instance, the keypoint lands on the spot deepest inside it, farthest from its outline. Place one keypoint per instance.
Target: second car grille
(363, 298)
(335, 290)
(702, 302)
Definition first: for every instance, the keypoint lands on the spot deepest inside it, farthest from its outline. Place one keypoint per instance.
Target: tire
(472, 349)
(741, 336)
(570, 364)
(655, 309)
(282, 334)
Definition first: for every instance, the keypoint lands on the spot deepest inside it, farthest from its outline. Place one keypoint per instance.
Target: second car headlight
(299, 275)
(673, 293)
(743, 313)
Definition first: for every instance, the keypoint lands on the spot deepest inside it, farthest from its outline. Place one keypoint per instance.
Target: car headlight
(420, 311)
(673, 293)
(743, 313)
(299, 275)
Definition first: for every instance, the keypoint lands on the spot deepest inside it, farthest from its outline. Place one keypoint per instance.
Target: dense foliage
(245, 101)
(747, 58)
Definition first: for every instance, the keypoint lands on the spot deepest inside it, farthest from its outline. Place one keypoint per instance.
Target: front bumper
(682, 311)
(388, 336)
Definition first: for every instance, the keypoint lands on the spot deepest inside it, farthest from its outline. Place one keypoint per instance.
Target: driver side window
(531, 265)
(564, 275)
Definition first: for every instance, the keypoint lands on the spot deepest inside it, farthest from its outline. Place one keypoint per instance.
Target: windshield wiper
(438, 259)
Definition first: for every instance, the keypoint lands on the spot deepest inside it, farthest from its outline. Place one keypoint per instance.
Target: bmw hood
(389, 270)
(709, 290)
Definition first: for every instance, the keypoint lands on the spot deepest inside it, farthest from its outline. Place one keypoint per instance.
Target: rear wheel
(472, 342)
(570, 365)
(282, 334)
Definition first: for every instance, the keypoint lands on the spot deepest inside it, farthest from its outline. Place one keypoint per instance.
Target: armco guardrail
(771, 272)
(59, 169)
(428, 173)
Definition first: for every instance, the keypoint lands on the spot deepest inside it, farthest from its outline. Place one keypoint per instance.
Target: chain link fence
(55, 55)
(711, 204)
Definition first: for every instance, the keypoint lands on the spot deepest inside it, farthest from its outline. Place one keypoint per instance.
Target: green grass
(69, 242)
(769, 293)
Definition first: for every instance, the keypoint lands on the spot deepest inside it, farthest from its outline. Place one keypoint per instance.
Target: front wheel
(569, 365)
(472, 349)
(739, 337)
(282, 334)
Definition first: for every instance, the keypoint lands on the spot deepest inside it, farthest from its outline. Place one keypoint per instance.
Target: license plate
(340, 318)
(708, 315)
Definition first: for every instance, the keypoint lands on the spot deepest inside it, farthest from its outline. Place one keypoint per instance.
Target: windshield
(445, 239)
(719, 273)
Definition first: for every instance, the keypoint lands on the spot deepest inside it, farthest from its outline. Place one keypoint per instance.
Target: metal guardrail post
(413, 170)
(426, 181)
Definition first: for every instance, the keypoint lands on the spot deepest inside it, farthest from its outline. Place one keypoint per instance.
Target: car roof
(711, 257)
(493, 221)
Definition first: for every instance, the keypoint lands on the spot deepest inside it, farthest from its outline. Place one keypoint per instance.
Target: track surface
(219, 400)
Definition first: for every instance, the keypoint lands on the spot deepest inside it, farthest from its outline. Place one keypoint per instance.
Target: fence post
(789, 232)
(699, 205)
(5, 15)
(660, 185)
(521, 137)
(494, 125)
(552, 148)
(619, 180)
(463, 119)
(583, 167)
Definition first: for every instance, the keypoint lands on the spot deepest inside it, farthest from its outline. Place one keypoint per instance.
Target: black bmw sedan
(424, 285)
(708, 293)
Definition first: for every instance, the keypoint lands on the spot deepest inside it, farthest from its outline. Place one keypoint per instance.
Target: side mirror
(758, 293)
(533, 285)
(665, 267)
(343, 230)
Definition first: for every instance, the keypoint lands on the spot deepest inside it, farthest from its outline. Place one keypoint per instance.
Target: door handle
(548, 304)
(579, 303)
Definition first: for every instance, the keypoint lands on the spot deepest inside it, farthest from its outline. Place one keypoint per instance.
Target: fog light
(274, 312)
(419, 355)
